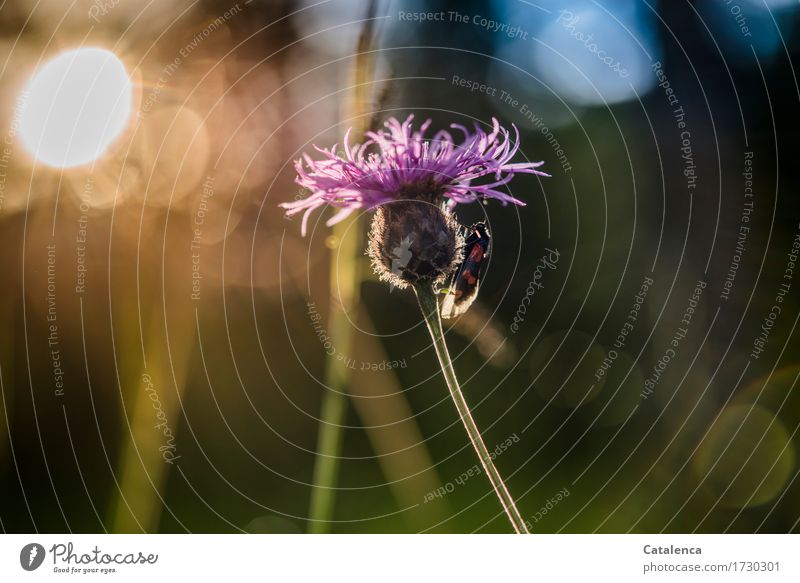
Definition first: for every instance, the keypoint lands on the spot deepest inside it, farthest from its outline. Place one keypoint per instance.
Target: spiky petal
(401, 163)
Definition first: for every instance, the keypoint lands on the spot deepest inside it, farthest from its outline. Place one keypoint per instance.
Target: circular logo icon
(31, 556)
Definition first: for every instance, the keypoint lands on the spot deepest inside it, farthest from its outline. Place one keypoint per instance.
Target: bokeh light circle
(74, 106)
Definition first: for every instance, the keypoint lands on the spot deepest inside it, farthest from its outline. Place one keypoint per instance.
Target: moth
(463, 288)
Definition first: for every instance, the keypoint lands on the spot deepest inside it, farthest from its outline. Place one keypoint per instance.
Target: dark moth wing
(463, 287)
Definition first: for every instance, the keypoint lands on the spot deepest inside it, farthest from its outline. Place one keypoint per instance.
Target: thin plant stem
(428, 304)
(345, 277)
(326, 466)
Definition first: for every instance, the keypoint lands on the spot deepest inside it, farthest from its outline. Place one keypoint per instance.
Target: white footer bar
(400, 558)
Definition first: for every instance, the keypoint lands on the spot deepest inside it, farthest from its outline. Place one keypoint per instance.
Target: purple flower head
(400, 163)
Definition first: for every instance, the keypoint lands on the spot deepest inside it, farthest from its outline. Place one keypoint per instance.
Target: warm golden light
(74, 107)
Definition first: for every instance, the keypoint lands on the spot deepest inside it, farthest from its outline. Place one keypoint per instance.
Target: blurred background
(170, 340)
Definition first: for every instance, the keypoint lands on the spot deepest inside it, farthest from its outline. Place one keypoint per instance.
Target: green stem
(345, 276)
(428, 304)
(326, 467)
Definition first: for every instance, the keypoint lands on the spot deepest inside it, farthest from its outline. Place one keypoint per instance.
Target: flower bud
(414, 240)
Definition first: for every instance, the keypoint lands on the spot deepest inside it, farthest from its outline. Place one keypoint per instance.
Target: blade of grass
(143, 469)
(394, 433)
(346, 276)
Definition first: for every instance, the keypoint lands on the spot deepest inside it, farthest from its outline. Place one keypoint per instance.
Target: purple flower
(402, 164)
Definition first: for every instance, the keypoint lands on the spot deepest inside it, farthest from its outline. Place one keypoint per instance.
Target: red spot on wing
(469, 277)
